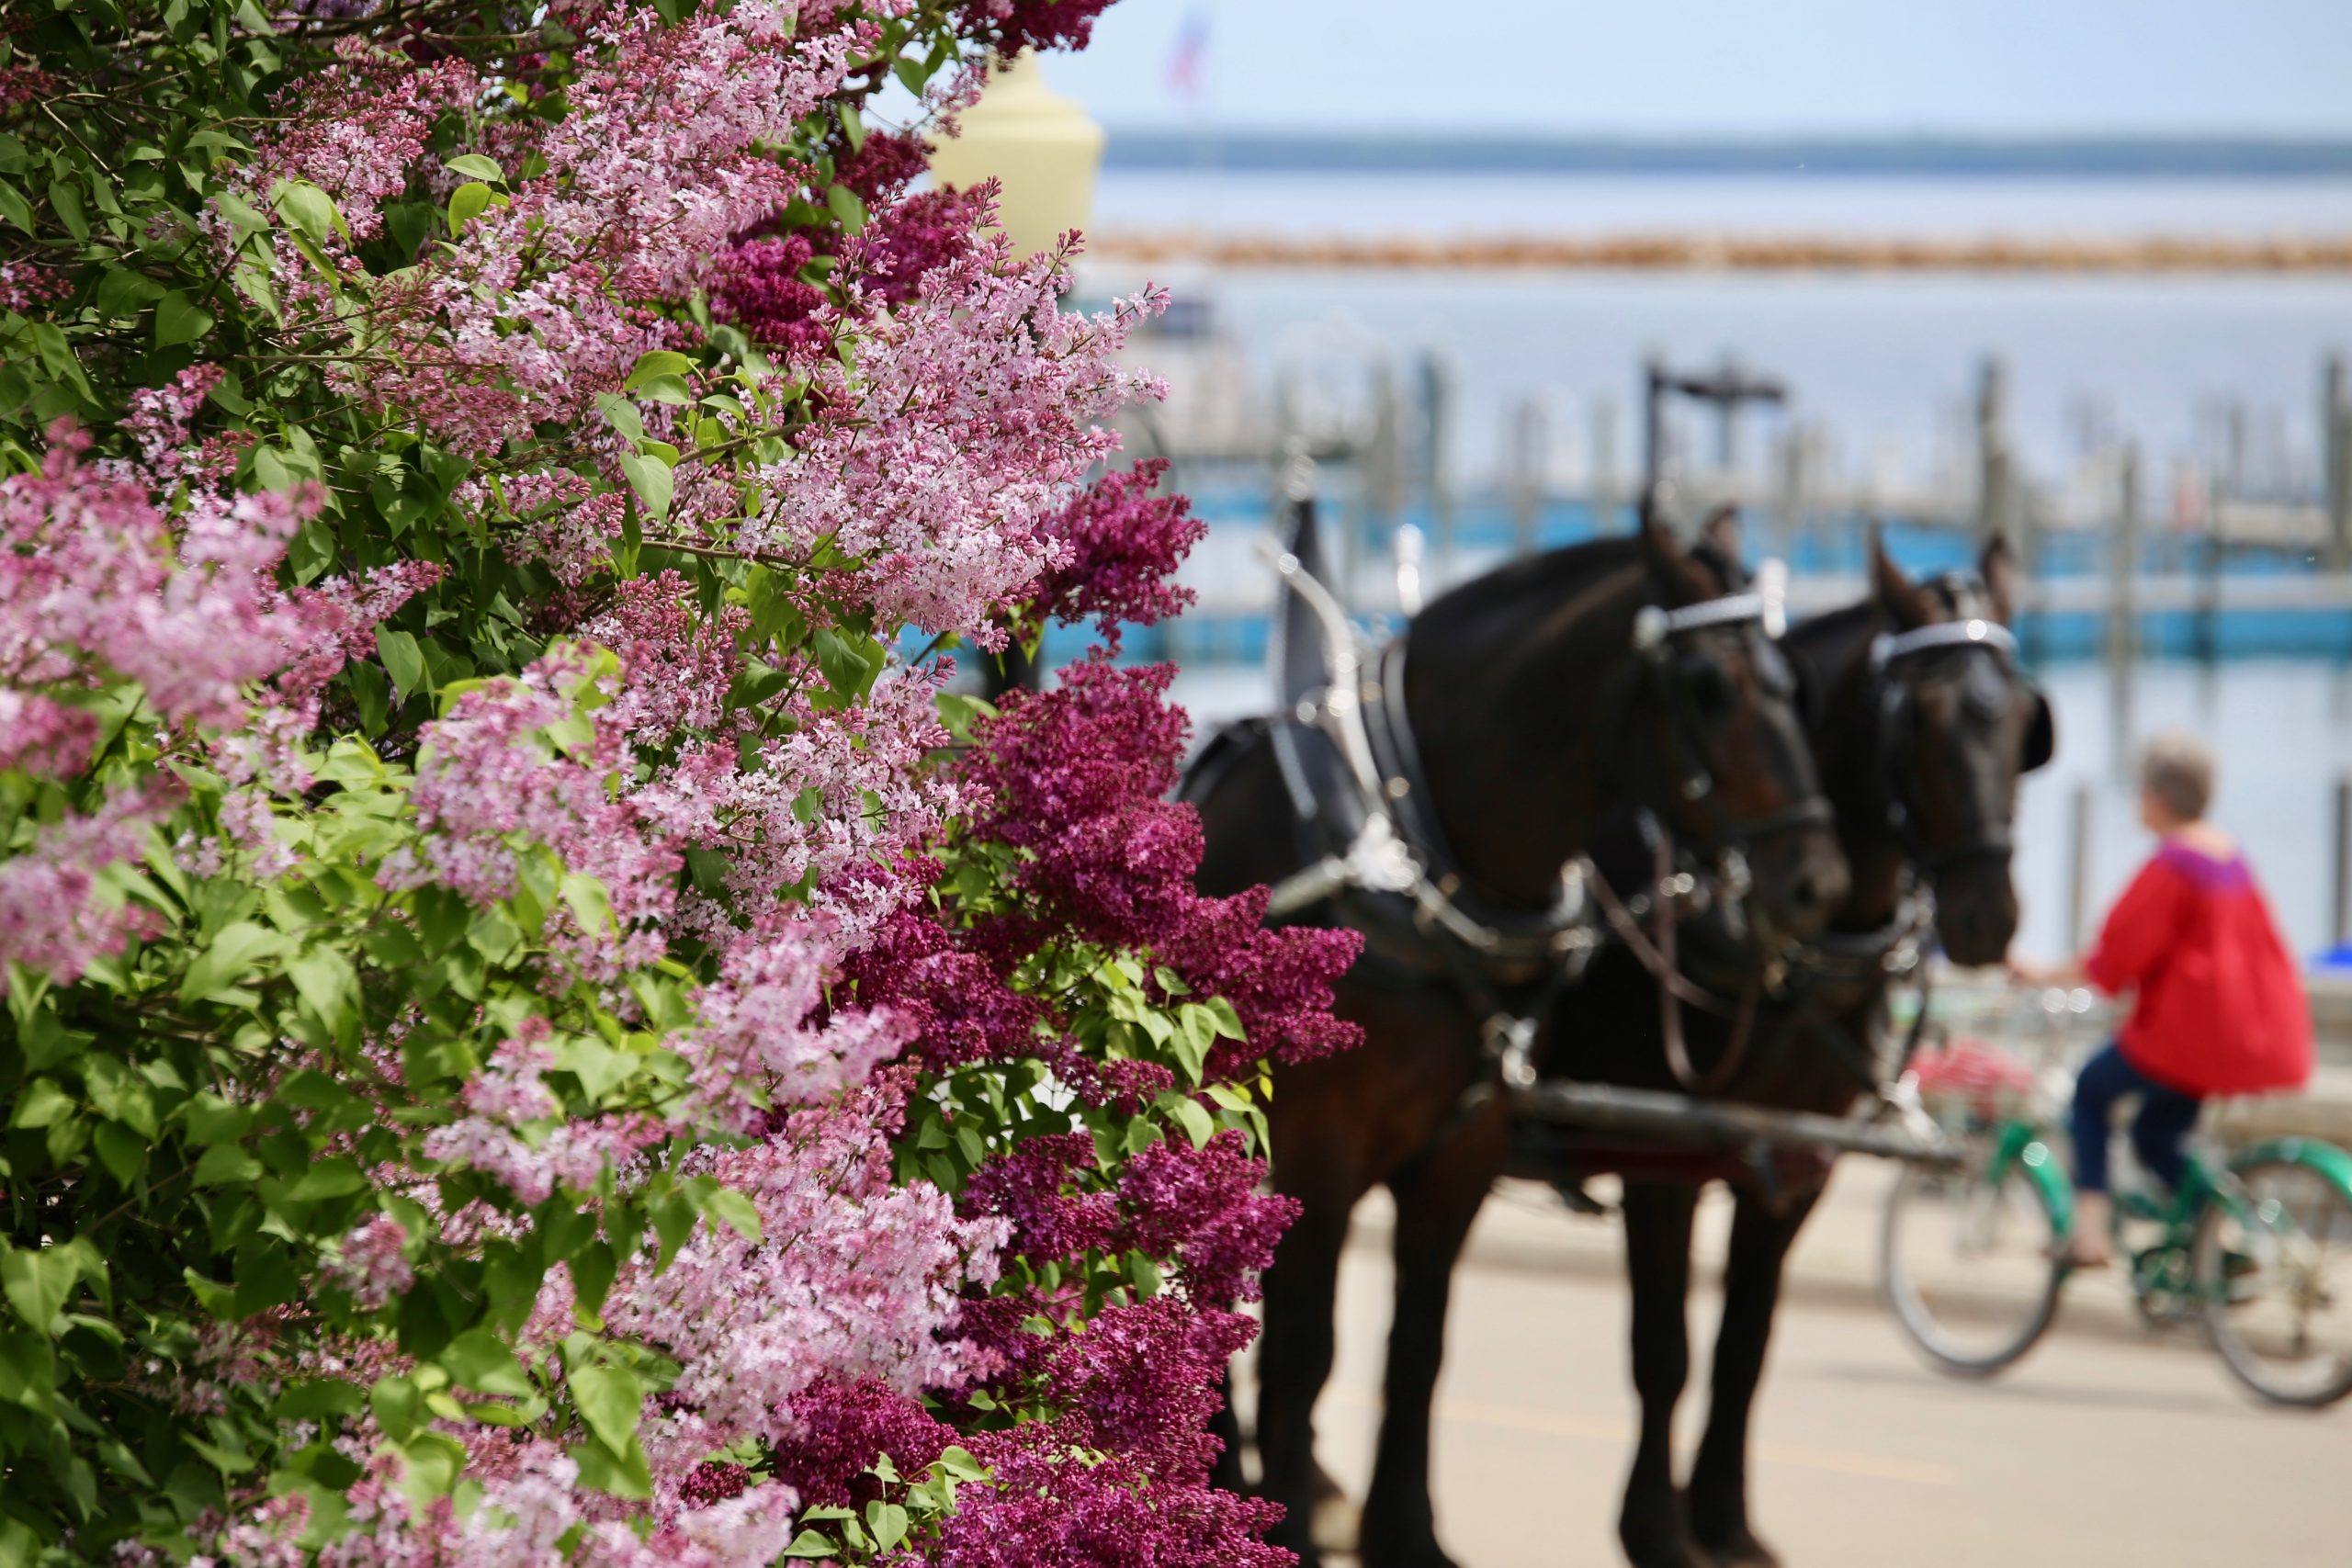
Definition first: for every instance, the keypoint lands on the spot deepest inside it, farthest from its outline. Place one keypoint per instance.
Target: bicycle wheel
(1969, 1266)
(2273, 1261)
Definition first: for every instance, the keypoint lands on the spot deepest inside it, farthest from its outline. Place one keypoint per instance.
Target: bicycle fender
(2313, 1153)
(2019, 1144)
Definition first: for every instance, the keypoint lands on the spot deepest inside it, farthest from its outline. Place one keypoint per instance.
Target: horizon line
(1279, 149)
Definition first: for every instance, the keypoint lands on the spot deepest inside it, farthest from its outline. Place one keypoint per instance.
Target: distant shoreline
(2115, 157)
(1745, 252)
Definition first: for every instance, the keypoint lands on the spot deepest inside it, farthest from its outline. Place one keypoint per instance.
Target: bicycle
(2256, 1244)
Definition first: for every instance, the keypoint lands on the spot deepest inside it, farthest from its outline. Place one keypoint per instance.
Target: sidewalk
(1525, 1229)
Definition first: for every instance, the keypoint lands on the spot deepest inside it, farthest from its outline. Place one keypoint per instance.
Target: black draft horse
(1538, 720)
(1920, 753)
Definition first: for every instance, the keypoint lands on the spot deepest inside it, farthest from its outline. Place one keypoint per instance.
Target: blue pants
(2166, 1116)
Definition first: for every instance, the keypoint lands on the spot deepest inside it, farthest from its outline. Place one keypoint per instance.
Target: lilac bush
(541, 1030)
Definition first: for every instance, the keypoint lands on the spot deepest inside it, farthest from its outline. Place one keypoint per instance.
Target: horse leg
(1295, 1359)
(1224, 1474)
(1438, 1195)
(1658, 1263)
(1762, 1235)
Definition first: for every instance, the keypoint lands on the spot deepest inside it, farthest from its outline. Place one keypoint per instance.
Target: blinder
(1656, 629)
(1985, 690)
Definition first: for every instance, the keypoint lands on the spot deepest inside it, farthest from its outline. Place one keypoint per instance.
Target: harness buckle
(1510, 1044)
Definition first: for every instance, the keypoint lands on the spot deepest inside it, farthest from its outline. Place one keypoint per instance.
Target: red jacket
(2219, 1008)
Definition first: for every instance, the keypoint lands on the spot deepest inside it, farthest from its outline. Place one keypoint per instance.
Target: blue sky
(1732, 66)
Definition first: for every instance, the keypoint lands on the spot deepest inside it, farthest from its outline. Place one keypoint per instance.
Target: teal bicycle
(2256, 1245)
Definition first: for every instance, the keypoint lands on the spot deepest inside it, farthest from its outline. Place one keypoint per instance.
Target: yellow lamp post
(1040, 144)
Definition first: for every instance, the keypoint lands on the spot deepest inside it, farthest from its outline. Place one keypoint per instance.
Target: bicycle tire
(2035, 1292)
(2224, 1304)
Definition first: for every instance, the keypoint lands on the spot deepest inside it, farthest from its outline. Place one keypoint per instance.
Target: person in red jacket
(2216, 1004)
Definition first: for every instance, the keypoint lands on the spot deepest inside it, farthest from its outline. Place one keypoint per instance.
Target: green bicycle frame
(2019, 1144)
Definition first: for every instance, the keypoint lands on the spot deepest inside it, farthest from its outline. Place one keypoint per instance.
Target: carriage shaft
(1680, 1118)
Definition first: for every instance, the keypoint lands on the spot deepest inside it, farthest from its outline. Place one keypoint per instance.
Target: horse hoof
(1739, 1548)
(1336, 1522)
(1670, 1547)
(1428, 1554)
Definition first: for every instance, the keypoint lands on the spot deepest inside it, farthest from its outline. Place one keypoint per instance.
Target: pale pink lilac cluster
(853, 1276)
(661, 158)
(944, 460)
(98, 585)
(514, 766)
(765, 1037)
(842, 793)
(372, 1262)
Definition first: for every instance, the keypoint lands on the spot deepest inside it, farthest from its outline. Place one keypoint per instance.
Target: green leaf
(609, 1400)
(308, 209)
(474, 164)
(812, 1543)
(121, 1150)
(227, 960)
(65, 200)
(480, 1359)
(337, 1177)
(14, 207)
(622, 415)
(848, 210)
(123, 293)
(1193, 1116)
(468, 202)
(734, 1211)
(653, 480)
(886, 1522)
(225, 1163)
(37, 1282)
(329, 983)
(658, 362)
(403, 661)
(179, 320)
(42, 1104)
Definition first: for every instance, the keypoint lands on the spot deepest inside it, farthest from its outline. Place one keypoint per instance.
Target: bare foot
(2088, 1246)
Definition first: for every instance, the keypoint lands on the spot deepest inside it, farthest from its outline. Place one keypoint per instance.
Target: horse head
(1947, 723)
(1720, 755)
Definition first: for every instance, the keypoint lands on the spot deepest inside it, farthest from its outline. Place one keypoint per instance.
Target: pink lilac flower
(1124, 543)
(759, 287)
(1076, 777)
(841, 1427)
(503, 768)
(371, 1262)
(676, 665)
(764, 1037)
(974, 410)
(853, 1277)
(1202, 1208)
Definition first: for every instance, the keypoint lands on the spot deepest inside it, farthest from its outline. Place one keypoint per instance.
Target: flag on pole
(1188, 55)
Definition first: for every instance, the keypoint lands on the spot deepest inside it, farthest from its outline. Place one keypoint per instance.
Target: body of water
(1420, 201)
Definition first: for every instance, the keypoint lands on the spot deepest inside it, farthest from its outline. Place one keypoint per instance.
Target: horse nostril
(1806, 894)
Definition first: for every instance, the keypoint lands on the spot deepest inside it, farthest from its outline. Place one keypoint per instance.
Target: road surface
(2106, 1446)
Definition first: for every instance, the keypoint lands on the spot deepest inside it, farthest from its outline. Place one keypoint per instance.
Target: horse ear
(1899, 599)
(1722, 531)
(1998, 568)
(1681, 579)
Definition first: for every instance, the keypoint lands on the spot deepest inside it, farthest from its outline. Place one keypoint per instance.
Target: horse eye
(1985, 690)
(1710, 688)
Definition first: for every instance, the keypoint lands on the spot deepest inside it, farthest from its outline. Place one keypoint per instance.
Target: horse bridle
(1898, 696)
(1656, 632)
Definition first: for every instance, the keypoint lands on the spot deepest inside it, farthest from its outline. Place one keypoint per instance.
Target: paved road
(2105, 1446)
